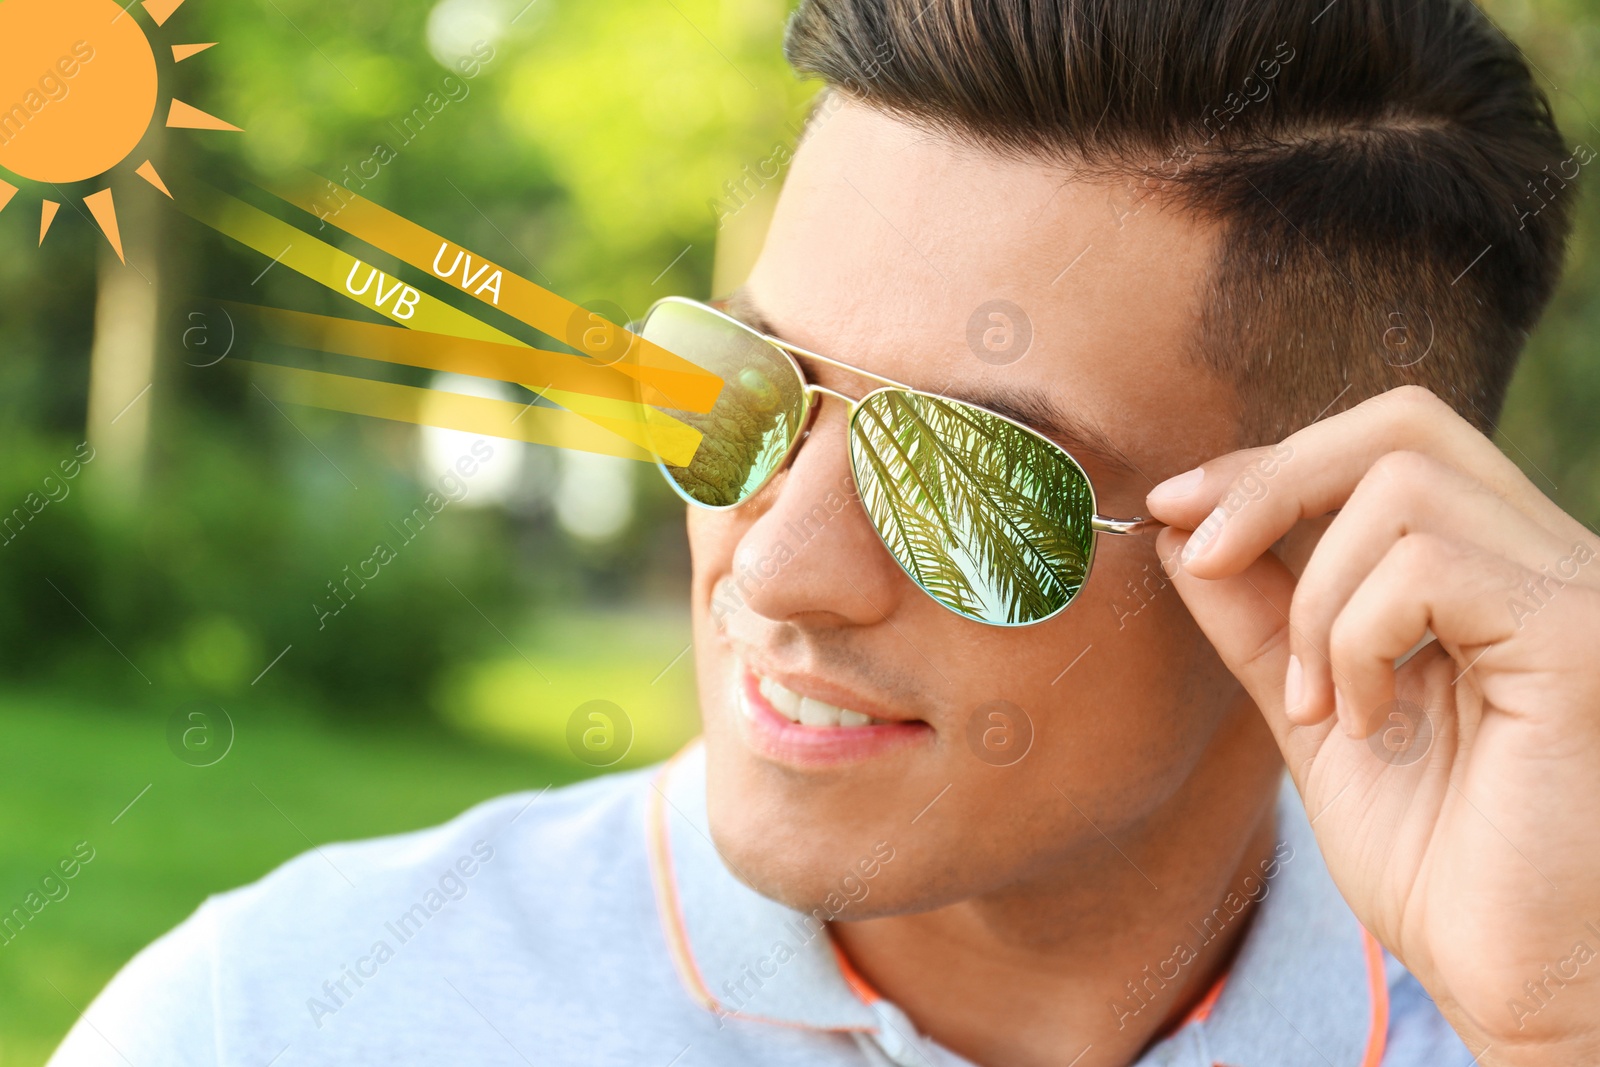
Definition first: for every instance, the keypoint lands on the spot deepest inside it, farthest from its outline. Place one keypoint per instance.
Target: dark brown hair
(1390, 180)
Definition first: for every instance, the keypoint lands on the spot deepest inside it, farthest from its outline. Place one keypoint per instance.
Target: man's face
(886, 244)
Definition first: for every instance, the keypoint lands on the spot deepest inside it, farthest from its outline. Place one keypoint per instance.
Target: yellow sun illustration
(78, 91)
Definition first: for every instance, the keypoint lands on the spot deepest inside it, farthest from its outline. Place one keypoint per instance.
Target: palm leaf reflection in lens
(756, 416)
(991, 519)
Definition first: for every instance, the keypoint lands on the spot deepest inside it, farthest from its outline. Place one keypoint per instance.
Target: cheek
(1124, 691)
(713, 538)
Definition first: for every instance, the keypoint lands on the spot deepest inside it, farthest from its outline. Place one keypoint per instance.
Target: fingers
(1427, 515)
(1404, 493)
(1424, 581)
(1477, 603)
(1246, 618)
(1244, 502)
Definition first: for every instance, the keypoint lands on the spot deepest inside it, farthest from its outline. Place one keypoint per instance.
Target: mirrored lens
(757, 415)
(991, 519)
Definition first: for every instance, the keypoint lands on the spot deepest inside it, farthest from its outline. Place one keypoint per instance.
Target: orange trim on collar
(672, 924)
(1378, 985)
(1202, 1011)
(1377, 989)
(675, 931)
(858, 985)
(675, 928)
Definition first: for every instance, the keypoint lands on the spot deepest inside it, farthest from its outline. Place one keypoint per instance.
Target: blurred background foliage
(184, 560)
(1549, 427)
(583, 153)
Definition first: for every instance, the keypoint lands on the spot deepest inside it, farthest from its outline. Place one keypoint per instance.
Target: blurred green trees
(1550, 428)
(583, 152)
(586, 152)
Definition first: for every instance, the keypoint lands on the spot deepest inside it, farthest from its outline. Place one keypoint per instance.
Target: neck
(1107, 952)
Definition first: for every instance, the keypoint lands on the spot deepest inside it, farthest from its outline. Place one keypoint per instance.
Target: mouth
(791, 724)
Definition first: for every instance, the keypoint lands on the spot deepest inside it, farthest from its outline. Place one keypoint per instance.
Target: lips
(802, 730)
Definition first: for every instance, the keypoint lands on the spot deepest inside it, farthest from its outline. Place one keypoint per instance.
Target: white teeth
(808, 711)
(786, 701)
(816, 713)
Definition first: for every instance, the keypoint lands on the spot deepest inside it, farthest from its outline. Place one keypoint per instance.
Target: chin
(848, 847)
(795, 847)
(810, 815)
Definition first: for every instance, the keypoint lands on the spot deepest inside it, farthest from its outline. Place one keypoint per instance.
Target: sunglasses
(991, 519)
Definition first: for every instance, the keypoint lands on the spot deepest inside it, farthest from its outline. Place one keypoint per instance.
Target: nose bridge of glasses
(848, 401)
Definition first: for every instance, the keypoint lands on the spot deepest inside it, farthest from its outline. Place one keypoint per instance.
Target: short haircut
(1389, 179)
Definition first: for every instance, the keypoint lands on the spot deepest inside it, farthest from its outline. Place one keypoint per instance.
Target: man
(1171, 237)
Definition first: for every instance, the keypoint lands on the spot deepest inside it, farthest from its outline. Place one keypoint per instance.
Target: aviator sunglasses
(991, 519)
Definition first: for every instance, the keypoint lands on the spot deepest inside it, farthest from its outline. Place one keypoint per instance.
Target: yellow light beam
(452, 411)
(7, 191)
(161, 10)
(329, 266)
(188, 117)
(692, 388)
(408, 306)
(104, 209)
(181, 52)
(532, 368)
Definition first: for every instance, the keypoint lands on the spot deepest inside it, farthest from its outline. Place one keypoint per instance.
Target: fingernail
(1204, 536)
(1293, 684)
(1179, 485)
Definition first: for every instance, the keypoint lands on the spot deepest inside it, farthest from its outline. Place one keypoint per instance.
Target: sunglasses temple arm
(1102, 524)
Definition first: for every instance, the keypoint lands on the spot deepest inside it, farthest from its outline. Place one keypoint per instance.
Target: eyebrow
(1031, 407)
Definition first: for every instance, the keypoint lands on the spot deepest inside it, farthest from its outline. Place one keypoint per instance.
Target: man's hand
(1456, 798)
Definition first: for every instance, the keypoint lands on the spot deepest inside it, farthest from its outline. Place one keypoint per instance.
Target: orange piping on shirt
(1202, 1011)
(1378, 1034)
(675, 929)
(858, 985)
(672, 923)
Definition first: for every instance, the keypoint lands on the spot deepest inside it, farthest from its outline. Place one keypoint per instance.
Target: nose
(810, 554)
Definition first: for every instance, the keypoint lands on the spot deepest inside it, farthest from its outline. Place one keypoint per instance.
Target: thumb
(1245, 616)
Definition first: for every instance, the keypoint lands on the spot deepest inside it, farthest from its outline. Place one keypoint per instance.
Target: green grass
(638, 662)
(69, 767)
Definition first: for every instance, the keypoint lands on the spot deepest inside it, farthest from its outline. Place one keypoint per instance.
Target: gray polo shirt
(596, 925)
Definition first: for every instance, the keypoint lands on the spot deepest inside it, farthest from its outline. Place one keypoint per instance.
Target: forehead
(938, 263)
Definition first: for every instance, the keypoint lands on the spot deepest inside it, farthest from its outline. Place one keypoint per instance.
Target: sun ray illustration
(181, 52)
(147, 171)
(98, 52)
(188, 117)
(104, 209)
(47, 215)
(161, 10)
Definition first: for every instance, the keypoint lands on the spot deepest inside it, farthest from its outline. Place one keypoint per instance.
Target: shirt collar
(738, 952)
(1307, 988)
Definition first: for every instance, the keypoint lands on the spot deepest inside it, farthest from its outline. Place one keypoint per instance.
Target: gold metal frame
(811, 392)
